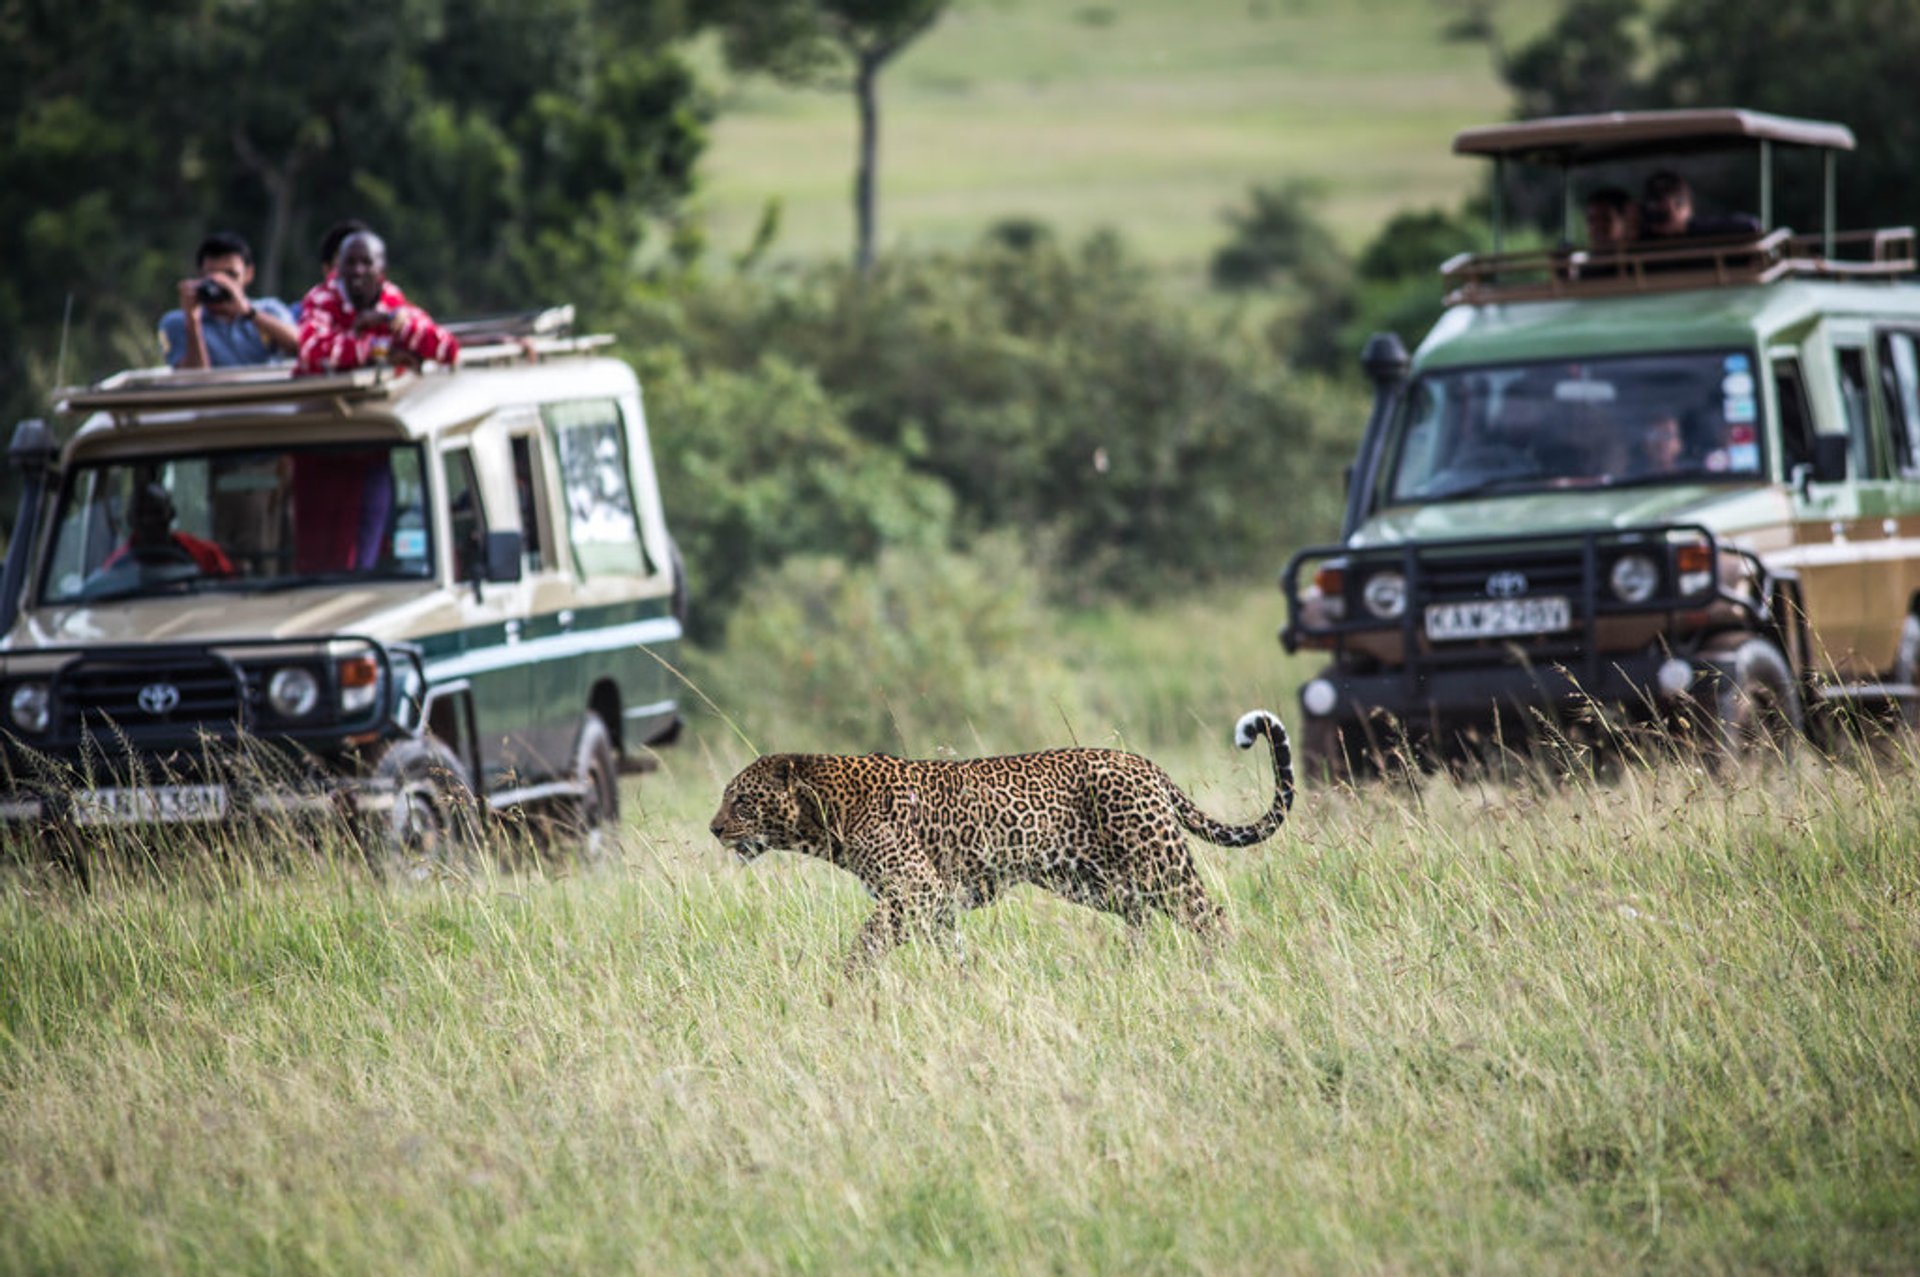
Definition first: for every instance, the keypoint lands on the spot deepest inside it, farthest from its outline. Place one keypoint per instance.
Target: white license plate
(1497, 618)
(157, 804)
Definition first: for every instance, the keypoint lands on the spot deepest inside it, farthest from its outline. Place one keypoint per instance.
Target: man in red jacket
(361, 320)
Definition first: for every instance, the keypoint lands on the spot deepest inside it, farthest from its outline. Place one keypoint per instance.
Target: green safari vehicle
(1672, 482)
(393, 596)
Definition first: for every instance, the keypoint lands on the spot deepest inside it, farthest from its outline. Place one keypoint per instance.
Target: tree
(1846, 60)
(817, 42)
(512, 152)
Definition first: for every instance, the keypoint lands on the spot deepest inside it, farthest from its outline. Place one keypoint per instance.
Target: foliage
(813, 41)
(758, 465)
(508, 150)
(1055, 393)
(916, 649)
(1844, 60)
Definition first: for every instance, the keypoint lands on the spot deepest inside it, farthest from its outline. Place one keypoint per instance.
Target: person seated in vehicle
(1613, 219)
(217, 325)
(363, 320)
(152, 540)
(1660, 449)
(1667, 212)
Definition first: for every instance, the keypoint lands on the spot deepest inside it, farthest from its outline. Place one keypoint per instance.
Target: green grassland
(1150, 117)
(1660, 1022)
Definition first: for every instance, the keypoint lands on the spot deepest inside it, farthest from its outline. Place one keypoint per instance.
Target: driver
(152, 540)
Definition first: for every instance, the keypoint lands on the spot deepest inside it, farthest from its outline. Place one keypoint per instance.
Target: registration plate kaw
(1499, 618)
(153, 804)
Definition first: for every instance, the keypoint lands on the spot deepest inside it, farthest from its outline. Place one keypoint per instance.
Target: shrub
(918, 650)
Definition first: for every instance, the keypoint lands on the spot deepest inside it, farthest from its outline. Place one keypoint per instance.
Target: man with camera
(218, 325)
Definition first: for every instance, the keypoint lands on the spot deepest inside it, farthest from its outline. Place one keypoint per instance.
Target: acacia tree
(834, 43)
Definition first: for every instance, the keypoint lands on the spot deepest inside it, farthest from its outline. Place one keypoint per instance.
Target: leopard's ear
(785, 768)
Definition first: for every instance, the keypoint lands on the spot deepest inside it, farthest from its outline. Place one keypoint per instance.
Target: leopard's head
(765, 807)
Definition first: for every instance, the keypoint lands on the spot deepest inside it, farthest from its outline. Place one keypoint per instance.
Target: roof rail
(171, 389)
(1682, 265)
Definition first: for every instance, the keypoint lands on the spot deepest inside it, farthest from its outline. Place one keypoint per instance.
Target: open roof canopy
(1573, 140)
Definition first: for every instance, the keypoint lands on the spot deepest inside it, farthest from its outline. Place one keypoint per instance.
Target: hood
(219, 617)
(1564, 511)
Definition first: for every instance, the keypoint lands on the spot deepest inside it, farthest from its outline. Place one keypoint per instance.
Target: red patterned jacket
(328, 342)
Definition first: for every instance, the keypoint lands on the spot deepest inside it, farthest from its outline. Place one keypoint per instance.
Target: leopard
(931, 838)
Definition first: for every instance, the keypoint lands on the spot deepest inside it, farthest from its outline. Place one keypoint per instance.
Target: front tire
(432, 828)
(1756, 708)
(592, 818)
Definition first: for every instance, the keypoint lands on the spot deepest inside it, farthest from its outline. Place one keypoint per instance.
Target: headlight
(29, 707)
(293, 691)
(1634, 578)
(1385, 594)
(359, 684)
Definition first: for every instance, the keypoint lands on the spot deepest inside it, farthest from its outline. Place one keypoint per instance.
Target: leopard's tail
(1252, 726)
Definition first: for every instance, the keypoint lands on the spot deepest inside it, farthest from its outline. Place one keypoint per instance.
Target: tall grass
(1663, 1021)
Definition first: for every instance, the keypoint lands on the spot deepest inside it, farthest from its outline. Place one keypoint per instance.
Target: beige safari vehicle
(395, 595)
(1672, 481)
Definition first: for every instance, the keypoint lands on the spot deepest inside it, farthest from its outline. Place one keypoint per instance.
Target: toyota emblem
(1506, 585)
(159, 698)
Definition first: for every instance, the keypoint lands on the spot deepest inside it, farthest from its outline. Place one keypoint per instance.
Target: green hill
(1151, 117)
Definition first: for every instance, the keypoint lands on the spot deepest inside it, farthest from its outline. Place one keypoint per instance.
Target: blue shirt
(230, 342)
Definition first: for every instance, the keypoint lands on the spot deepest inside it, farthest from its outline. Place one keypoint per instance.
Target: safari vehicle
(1674, 483)
(395, 595)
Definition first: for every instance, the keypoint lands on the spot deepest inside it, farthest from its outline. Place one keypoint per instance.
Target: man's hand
(372, 319)
(190, 298)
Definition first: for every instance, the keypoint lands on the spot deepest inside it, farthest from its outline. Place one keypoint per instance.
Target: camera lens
(210, 292)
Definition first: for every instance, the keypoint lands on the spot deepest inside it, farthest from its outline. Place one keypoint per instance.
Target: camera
(211, 292)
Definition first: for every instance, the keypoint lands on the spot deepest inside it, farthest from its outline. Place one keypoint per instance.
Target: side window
(1900, 394)
(1851, 363)
(467, 517)
(1796, 421)
(529, 484)
(590, 443)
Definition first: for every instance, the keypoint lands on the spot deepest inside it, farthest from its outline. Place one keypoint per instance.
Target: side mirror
(502, 559)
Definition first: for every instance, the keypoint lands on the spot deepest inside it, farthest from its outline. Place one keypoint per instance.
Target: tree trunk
(865, 91)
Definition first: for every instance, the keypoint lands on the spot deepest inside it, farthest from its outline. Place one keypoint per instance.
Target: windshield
(1643, 419)
(253, 519)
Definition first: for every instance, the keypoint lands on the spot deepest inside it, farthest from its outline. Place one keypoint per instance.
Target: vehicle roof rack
(488, 341)
(1572, 140)
(1567, 142)
(173, 389)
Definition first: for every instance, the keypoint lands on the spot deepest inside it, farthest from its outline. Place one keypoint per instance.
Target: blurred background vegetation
(1122, 257)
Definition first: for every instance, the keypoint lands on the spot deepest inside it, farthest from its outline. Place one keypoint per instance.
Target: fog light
(1674, 676)
(1386, 595)
(293, 691)
(1634, 578)
(1319, 697)
(30, 707)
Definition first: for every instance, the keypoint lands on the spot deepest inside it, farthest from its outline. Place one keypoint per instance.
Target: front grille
(1452, 578)
(146, 701)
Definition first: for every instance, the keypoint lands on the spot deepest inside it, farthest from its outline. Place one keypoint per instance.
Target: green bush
(1056, 394)
(759, 465)
(920, 650)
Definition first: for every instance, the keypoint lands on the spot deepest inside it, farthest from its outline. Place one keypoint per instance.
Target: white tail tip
(1252, 726)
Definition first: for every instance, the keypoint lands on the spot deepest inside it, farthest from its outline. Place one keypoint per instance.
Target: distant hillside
(1151, 116)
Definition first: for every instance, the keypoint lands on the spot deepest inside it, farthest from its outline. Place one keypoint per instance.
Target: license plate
(157, 804)
(1497, 618)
